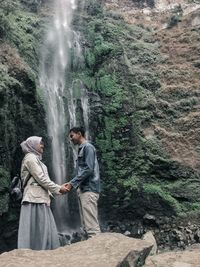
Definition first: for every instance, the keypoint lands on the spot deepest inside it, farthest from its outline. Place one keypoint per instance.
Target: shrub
(173, 21)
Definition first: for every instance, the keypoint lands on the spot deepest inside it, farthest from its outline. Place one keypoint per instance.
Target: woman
(37, 228)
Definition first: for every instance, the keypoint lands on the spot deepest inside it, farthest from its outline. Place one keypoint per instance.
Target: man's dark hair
(77, 130)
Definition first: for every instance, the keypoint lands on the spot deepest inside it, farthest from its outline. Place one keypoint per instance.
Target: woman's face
(41, 148)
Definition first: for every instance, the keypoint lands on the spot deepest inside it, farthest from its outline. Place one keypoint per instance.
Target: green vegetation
(120, 68)
(19, 27)
(120, 63)
(4, 190)
(19, 107)
(159, 192)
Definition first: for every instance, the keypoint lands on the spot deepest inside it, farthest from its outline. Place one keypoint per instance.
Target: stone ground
(108, 250)
(187, 258)
(104, 250)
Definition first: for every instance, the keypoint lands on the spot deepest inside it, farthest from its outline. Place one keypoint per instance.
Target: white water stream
(60, 39)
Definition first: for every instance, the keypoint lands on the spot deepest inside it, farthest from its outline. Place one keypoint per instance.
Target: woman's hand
(63, 189)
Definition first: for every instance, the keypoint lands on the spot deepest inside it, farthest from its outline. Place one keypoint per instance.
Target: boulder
(106, 249)
(186, 258)
(149, 237)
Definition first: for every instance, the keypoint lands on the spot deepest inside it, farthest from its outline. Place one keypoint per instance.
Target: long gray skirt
(37, 228)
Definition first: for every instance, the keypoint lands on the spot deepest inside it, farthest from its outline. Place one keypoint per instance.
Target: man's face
(75, 138)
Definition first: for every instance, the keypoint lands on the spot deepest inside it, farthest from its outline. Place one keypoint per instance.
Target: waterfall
(77, 92)
(54, 63)
(63, 96)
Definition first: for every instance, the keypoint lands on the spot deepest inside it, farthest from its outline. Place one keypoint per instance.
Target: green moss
(5, 25)
(107, 84)
(133, 182)
(4, 189)
(22, 35)
(20, 28)
(93, 7)
(186, 191)
(89, 59)
(153, 189)
(191, 207)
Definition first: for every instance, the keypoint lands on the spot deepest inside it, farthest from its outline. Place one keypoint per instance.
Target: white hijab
(31, 144)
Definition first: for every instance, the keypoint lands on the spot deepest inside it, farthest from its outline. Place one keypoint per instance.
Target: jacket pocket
(81, 162)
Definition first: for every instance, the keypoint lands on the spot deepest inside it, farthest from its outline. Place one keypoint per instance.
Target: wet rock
(134, 258)
(64, 239)
(149, 218)
(197, 235)
(127, 233)
(178, 235)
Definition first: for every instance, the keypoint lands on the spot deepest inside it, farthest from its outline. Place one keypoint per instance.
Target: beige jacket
(39, 186)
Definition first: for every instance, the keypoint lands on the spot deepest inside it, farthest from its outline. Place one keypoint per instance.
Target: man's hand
(68, 186)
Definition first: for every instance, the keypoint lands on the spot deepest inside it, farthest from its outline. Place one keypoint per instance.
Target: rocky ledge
(107, 249)
(187, 258)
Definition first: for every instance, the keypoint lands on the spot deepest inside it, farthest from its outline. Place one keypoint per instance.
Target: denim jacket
(87, 169)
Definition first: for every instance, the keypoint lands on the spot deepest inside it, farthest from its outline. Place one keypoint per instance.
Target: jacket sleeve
(87, 170)
(35, 168)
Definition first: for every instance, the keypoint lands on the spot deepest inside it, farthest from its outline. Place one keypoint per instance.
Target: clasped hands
(65, 188)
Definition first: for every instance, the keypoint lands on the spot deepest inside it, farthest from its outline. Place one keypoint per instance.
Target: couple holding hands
(37, 228)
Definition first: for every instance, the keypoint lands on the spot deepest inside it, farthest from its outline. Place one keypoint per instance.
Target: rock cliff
(141, 73)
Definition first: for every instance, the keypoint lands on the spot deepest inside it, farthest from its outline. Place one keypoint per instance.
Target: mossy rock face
(21, 111)
(8, 217)
(19, 107)
(4, 190)
(122, 66)
(120, 63)
(121, 70)
(23, 28)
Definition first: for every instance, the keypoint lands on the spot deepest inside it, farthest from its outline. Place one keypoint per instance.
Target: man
(86, 181)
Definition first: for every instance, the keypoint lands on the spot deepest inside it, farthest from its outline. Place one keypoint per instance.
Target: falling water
(54, 63)
(61, 42)
(78, 92)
